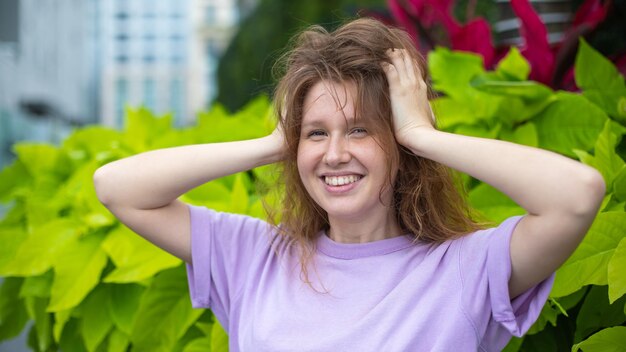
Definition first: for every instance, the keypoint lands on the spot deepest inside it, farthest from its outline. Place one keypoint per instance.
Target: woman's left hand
(409, 99)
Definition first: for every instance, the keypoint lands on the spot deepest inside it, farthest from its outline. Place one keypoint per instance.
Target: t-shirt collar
(349, 251)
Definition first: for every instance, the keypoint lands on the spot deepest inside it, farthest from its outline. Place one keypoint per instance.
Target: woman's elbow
(102, 183)
(591, 192)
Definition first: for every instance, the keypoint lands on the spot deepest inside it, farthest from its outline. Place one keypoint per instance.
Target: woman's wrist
(275, 147)
(416, 138)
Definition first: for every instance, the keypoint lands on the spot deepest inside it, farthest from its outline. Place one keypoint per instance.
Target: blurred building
(163, 54)
(46, 75)
(65, 63)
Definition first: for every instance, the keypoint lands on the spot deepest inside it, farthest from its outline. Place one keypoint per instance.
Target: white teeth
(341, 180)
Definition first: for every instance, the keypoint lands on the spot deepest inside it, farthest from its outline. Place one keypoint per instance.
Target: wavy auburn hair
(427, 200)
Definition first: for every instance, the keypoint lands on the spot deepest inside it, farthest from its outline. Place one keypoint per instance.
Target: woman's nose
(337, 151)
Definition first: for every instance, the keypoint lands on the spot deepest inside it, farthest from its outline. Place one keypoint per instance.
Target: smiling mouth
(341, 180)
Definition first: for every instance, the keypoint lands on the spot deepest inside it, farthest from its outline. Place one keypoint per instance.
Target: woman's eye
(316, 133)
(359, 131)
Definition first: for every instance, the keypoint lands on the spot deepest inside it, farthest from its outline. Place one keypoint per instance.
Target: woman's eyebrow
(317, 122)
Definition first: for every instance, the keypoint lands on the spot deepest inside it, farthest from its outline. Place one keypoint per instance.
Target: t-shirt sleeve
(223, 248)
(485, 267)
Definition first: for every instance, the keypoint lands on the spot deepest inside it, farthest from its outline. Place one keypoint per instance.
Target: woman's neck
(364, 230)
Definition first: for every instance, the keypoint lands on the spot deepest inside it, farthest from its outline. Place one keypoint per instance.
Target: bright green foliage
(589, 263)
(164, 313)
(600, 81)
(596, 312)
(135, 259)
(607, 340)
(616, 277)
(589, 127)
(90, 284)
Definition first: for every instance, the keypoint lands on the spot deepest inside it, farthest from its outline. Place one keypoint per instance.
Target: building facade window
(176, 100)
(121, 97)
(149, 94)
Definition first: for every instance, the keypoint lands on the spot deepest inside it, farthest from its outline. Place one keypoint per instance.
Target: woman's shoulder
(230, 228)
(206, 214)
(504, 230)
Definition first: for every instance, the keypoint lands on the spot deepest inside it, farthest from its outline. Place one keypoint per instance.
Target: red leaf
(536, 48)
(591, 13)
(405, 20)
(475, 37)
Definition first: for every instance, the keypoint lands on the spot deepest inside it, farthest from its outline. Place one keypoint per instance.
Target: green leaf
(451, 72)
(600, 81)
(514, 111)
(251, 122)
(450, 113)
(143, 128)
(205, 327)
(41, 209)
(597, 313)
(268, 175)
(239, 197)
(617, 272)
(45, 244)
(77, 271)
(72, 340)
(86, 143)
(213, 191)
(493, 204)
(514, 65)
(11, 239)
(219, 338)
(191, 334)
(202, 344)
(122, 302)
(12, 178)
(480, 130)
(621, 109)
(588, 265)
(13, 315)
(36, 308)
(549, 314)
(619, 184)
(41, 159)
(606, 159)
(526, 90)
(118, 341)
(165, 312)
(525, 134)
(570, 301)
(570, 122)
(37, 286)
(135, 258)
(542, 341)
(96, 322)
(60, 319)
(79, 193)
(608, 340)
(15, 217)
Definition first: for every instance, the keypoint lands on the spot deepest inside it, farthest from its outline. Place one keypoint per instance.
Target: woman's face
(340, 163)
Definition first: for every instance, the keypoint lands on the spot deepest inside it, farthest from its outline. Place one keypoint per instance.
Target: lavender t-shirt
(388, 295)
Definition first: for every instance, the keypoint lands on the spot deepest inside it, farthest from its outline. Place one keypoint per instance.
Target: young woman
(376, 250)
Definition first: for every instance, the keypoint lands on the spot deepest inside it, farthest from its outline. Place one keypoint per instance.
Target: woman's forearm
(538, 180)
(156, 178)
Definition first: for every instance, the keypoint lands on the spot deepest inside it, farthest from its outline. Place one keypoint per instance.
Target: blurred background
(67, 63)
(70, 63)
